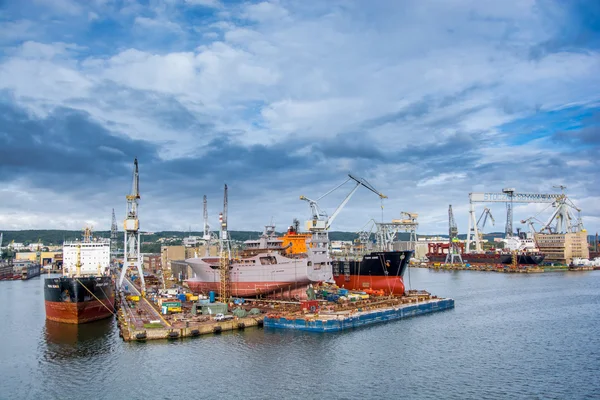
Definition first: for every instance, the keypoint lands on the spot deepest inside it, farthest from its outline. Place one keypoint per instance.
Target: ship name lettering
(53, 286)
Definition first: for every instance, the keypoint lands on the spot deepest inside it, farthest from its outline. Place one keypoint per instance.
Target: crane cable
(77, 279)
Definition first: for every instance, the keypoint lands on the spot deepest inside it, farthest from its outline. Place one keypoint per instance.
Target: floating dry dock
(386, 310)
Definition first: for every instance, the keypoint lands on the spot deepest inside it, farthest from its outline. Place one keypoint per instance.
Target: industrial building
(152, 262)
(563, 247)
(46, 257)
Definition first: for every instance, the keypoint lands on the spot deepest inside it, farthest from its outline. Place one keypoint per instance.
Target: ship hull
(246, 289)
(381, 271)
(492, 258)
(259, 275)
(78, 300)
(31, 271)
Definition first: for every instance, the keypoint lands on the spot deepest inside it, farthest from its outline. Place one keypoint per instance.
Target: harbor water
(510, 336)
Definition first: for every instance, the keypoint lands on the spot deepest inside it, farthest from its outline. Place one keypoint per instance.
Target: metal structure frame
(387, 231)
(508, 196)
(225, 253)
(207, 235)
(114, 232)
(132, 232)
(453, 249)
(320, 221)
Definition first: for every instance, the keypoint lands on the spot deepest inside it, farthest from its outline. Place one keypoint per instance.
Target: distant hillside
(57, 237)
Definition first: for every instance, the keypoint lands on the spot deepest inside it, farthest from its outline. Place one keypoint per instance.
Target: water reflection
(72, 341)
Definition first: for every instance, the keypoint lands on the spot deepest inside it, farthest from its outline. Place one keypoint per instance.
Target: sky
(426, 100)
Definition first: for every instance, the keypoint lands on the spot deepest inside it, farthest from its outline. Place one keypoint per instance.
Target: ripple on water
(510, 336)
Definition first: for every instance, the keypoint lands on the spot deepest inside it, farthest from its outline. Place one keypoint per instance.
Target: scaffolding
(225, 254)
(225, 281)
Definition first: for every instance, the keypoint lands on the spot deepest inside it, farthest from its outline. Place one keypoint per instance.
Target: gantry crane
(132, 232)
(508, 196)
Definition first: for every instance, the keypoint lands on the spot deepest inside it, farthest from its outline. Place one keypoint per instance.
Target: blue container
(211, 296)
(333, 298)
(181, 297)
(342, 292)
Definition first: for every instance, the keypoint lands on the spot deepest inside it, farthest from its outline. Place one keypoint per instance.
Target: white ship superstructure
(93, 255)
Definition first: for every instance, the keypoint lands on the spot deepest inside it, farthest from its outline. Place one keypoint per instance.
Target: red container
(310, 305)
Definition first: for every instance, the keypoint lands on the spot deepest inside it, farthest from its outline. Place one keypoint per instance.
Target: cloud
(204, 3)
(282, 98)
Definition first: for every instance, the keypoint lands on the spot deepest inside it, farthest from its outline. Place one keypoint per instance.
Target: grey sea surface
(510, 336)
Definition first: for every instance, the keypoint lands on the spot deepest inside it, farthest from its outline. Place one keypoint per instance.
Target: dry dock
(139, 319)
(329, 309)
(521, 269)
(331, 319)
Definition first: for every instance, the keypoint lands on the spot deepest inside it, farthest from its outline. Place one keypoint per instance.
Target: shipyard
(299, 199)
(270, 281)
(296, 280)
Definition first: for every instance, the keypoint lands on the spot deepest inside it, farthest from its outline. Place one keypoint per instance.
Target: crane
(480, 225)
(207, 235)
(529, 221)
(320, 220)
(225, 249)
(453, 248)
(114, 232)
(38, 253)
(562, 217)
(132, 232)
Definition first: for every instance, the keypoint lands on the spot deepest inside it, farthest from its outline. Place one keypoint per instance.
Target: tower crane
(132, 232)
(225, 250)
(207, 235)
(114, 231)
(320, 220)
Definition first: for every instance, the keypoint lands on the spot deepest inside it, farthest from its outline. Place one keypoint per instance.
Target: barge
(323, 318)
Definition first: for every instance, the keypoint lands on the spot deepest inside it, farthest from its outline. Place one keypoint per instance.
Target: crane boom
(368, 186)
(320, 220)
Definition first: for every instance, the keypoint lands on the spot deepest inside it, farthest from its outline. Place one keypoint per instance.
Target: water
(510, 336)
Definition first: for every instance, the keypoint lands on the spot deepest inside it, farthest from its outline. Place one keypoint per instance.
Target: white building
(340, 246)
(94, 257)
(35, 246)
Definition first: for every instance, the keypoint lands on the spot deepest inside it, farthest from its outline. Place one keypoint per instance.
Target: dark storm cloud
(166, 110)
(66, 142)
(427, 106)
(225, 160)
(578, 32)
(351, 145)
(588, 137)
